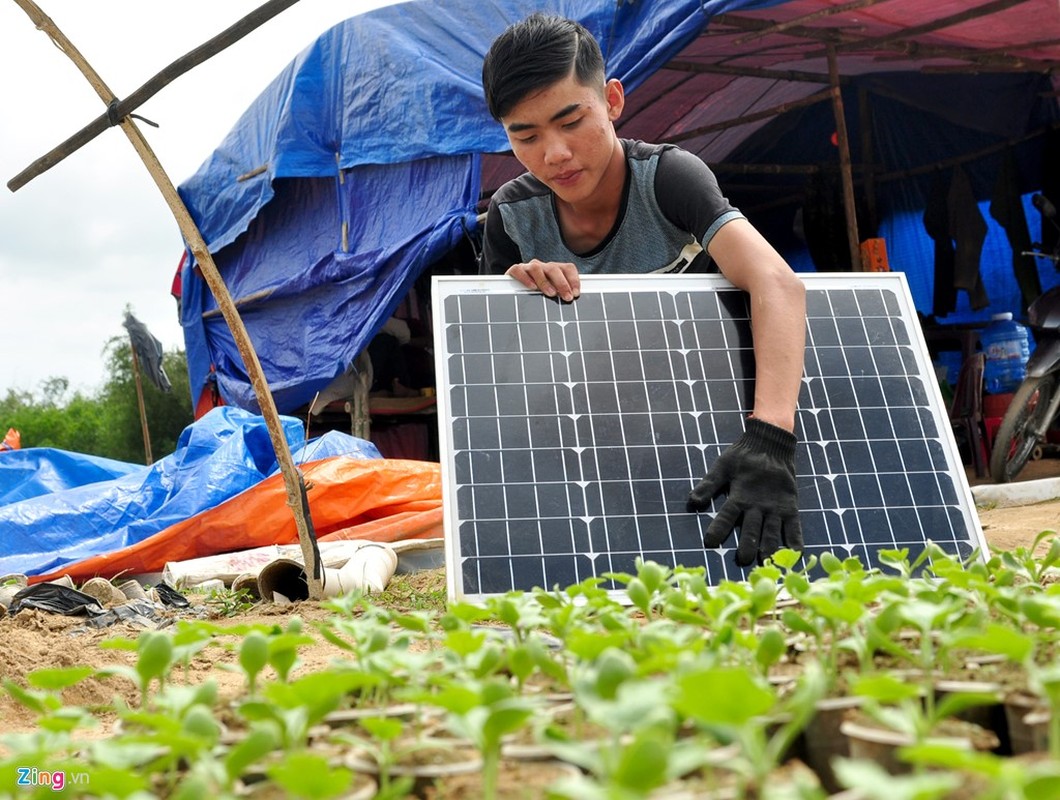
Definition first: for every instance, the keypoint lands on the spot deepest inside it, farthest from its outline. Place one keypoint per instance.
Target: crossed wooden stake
(120, 113)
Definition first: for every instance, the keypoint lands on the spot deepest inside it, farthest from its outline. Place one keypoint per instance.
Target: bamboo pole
(148, 457)
(292, 478)
(846, 174)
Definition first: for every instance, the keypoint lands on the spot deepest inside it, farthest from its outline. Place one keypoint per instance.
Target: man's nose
(556, 150)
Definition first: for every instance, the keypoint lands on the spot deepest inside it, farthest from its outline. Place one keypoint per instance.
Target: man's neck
(587, 223)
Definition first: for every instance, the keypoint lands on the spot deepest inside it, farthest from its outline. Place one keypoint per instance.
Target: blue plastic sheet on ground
(222, 454)
(44, 470)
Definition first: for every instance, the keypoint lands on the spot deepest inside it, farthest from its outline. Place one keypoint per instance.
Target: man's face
(564, 135)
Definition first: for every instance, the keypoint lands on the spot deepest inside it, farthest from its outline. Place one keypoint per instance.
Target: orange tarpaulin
(12, 441)
(385, 500)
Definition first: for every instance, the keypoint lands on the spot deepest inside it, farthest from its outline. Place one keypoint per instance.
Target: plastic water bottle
(1006, 345)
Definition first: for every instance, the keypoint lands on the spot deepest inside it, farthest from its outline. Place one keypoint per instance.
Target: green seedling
(44, 698)
(904, 708)
(229, 602)
(1046, 681)
(302, 703)
(523, 659)
(263, 737)
(1022, 561)
(641, 751)
(937, 625)
(155, 657)
(253, 657)
(520, 612)
(636, 767)
(1000, 777)
(645, 589)
(303, 774)
(283, 648)
(875, 783)
(484, 714)
(386, 742)
(733, 706)
(189, 640)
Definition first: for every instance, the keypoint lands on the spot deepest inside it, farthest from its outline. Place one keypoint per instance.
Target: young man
(594, 203)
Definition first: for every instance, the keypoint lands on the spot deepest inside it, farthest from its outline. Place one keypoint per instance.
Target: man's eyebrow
(515, 127)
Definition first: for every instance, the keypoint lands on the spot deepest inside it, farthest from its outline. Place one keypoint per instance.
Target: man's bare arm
(778, 317)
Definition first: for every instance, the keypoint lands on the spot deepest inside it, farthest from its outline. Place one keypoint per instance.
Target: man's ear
(615, 96)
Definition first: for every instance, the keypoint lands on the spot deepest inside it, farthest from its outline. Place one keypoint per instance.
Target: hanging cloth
(1006, 206)
(968, 229)
(1051, 184)
(937, 225)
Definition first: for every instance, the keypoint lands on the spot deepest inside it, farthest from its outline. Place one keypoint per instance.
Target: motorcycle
(1036, 403)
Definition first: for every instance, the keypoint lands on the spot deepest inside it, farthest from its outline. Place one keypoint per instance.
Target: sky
(93, 235)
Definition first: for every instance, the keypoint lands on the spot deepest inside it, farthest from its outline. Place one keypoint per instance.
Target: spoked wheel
(1015, 441)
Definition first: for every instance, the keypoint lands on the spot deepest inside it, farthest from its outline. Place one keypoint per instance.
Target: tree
(168, 413)
(107, 423)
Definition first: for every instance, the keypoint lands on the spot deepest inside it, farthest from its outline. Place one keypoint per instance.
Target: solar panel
(571, 434)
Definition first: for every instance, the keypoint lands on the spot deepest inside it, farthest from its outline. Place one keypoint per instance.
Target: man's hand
(551, 278)
(759, 471)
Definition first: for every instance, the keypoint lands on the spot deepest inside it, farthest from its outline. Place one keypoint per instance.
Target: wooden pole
(868, 157)
(292, 478)
(794, 22)
(148, 457)
(843, 141)
(767, 113)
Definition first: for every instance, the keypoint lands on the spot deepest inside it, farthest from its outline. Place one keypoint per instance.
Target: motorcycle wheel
(1014, 444)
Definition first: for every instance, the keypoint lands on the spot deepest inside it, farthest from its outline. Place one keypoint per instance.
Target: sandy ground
(1009, 527)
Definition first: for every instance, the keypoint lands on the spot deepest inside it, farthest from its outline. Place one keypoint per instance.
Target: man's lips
(567, 178)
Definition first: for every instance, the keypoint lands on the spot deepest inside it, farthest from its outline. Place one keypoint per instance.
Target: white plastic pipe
(369, 569)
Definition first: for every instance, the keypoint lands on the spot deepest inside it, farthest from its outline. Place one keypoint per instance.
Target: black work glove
(759, 471)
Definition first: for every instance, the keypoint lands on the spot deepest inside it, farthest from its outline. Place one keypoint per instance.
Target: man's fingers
(793, 533)
(716, 479)
(770, 537)
(521, 273)
(567, 282)
(721, 527)
(705, 491)
(750, 538)
(552, 279)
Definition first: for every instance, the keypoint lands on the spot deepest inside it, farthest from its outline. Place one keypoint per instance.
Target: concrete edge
(1021, 493)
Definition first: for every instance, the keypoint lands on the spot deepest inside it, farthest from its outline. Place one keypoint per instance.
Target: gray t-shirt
(671, 209)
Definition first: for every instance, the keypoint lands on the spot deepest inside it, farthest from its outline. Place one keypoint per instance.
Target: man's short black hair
(534, 54)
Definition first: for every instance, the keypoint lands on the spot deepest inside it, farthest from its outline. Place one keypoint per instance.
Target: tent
(367, 160)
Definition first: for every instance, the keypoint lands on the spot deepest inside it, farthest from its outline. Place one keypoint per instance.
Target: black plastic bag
(56, 598)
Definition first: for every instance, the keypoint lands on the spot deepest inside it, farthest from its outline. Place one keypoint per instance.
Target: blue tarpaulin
(359, 166)
(367, 158)
(222, 454)
(37, 471)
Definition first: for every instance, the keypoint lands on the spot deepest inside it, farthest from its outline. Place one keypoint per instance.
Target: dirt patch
(1012, 528)
(33, 639)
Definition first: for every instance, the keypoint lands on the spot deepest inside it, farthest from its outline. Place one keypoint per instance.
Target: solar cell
(571, 434)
